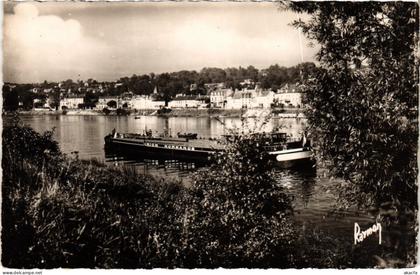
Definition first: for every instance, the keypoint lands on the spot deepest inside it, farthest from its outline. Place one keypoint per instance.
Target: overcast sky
(105, 41)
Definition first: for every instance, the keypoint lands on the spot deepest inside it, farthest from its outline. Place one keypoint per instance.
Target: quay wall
(289, 112)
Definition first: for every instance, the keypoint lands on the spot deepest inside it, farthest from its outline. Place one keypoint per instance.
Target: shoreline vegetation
(193, 112)
(60, 211)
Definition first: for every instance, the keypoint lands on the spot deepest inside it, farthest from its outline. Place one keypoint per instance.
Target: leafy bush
(106, 111)
(23, 143)
(237, 216)
(24, 153)
(60, 211)
(64, 212)
(115, 220)
(364, 114)
(122, 112)
(363, 104)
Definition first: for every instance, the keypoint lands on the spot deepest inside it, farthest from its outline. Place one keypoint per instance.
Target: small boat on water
(188, 135)
(286, 151)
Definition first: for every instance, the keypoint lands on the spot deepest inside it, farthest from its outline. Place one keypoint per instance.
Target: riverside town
(276, 88)
(210, 135)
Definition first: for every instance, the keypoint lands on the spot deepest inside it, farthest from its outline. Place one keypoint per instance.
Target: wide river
(314, 194)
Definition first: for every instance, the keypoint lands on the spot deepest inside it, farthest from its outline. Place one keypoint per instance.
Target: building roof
(226, 91)
(74, 96)
(185, 97)
(239, 94)
(109, 97)
(264, 92)
(290, 88)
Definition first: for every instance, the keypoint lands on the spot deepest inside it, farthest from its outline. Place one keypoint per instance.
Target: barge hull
(139, 151)
(196, 151)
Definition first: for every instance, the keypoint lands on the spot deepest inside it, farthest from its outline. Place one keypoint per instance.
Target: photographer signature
(359, 235)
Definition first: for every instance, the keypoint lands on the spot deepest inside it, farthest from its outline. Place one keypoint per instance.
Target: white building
(146, 103)
(104, 100)
(239, 100)
(186, 102)
(255, 98)
(262, 99)
(218, 97)
(289, 95)
(71, 102)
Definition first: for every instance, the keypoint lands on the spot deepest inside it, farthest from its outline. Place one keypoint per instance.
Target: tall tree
(363, 103)
(10, 99)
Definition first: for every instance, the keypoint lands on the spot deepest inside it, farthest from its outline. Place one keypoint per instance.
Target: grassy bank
(59, 211)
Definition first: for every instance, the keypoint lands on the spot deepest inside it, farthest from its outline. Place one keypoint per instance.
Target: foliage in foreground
(59, 211)
(63, 212)
(363, 103)
(237, 215)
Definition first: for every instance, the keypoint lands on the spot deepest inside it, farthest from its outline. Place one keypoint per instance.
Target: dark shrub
(60, 211)
(237, 216)
(106, 111)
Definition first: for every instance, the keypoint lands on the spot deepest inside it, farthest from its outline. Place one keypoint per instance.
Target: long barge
(285, 151)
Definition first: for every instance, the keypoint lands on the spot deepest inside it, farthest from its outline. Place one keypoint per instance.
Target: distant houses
(135, 102)
(249, 99)
(256, 98)
(239, 100)
(110, 102)
(263, 99)
(72, 102)
(146, 103)
(184, 101)
(289, 95)
(218, 98)
(42, 104)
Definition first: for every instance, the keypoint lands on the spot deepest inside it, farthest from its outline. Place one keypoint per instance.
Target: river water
(314, 194)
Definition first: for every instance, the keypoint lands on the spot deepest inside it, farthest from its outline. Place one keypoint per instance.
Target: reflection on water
(312, 203)
(315, 207)
(175, 170)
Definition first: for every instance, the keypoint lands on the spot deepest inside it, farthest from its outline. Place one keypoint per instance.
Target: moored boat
(188, 135)
(161, 147)
(187, 147)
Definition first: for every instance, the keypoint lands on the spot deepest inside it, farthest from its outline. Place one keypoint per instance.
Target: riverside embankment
(191, 112)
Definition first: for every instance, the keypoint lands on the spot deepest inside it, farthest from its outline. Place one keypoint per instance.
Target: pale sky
(105, 41)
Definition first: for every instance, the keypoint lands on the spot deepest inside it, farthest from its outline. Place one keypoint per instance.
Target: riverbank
(75, 213)
(203, 113)
(250, 113)
(57, 112)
